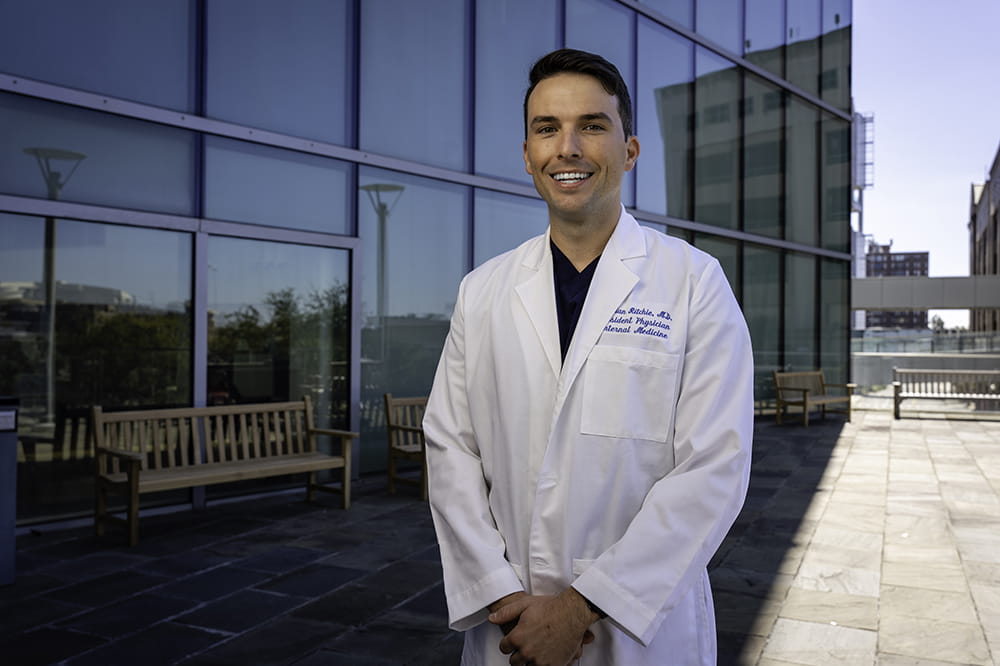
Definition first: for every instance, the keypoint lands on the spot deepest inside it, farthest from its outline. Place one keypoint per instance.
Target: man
(589, 427)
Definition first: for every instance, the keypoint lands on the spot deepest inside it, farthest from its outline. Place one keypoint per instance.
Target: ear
(631, 152)
(527, 162)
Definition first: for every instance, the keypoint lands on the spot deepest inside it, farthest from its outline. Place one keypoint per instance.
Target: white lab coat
(618, 471)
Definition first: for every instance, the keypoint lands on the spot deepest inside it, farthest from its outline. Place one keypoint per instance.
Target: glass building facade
(219, 201)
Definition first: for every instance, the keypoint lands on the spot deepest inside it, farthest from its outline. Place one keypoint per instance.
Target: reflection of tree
(119, 358)
(291, 346)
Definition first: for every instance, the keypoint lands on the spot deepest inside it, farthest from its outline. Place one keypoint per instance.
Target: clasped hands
(543, 630)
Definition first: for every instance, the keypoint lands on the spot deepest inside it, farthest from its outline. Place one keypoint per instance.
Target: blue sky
(928, 71)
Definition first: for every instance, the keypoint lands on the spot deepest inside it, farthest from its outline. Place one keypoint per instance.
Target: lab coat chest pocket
(629, 393)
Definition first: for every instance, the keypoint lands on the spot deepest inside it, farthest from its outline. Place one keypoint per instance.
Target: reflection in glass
(681, 11)
(800, 312)
(762, 309)
(246, 182)
(510, 37)
(605, 27)
(504, 221)
(801, 158)
(414, 106)
(716, 140)
(414, 234)
(836, 184)
(663, 101)
(835, 79)
(765, 34)
(278, 329)
(802, 44)
(834, 319)
(721, 21)
(763, 177)
(727, 252)
(140, 51)
(286, 71)
(130, 164)
(122, 338)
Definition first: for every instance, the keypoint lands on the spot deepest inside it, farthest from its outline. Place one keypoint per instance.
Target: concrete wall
(871, 369)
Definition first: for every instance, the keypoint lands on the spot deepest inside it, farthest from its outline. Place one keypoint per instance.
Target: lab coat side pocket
(628, 393)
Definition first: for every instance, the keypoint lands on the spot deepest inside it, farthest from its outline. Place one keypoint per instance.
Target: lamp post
(54, 182)
(382, 210)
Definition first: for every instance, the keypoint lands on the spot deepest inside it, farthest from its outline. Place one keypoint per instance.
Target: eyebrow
(538, 120)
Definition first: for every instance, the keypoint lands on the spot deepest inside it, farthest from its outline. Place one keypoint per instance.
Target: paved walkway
(874, 542)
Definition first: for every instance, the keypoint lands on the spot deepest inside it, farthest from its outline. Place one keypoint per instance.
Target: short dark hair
(581, 62)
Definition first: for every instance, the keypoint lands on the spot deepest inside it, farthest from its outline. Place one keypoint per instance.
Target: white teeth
(579, 175)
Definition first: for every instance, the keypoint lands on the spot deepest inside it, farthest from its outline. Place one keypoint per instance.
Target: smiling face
(576, 150)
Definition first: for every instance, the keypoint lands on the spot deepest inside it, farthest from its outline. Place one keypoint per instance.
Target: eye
(594, 127)
(545, 129)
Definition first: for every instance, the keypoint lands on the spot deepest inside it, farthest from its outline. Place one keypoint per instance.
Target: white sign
(8, 420)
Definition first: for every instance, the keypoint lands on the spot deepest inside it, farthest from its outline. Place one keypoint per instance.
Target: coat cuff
(470, 607)
(623, 610)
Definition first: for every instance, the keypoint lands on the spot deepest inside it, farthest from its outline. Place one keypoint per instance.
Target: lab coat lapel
(612, 283)
(537, 294)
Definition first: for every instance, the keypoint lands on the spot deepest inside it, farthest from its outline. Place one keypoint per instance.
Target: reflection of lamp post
(382, 209)
(54, 182)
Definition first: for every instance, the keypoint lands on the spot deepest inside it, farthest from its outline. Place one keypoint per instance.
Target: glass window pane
(765, 34)
(504, 221)
(142, 51)
(279, 69)
(762, 308)
(247, 182)
(716, 137)
(663, 101)
(278, 329)
(836, 185)
(415, 239)
(802, 40)
(835, 77)
(681, 11)
(800, 312)
(414, 106)
(763, 197)
(604, 27)
(720, 21)
(510, 36)
(834, 319)
(97, 158)
(727, 252)
(801, 158)
(89, 332)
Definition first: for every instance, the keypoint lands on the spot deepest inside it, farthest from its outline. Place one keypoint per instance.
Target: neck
(581, 242)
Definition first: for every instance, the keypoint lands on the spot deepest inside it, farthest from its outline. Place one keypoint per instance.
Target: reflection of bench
(944, 385)
(71, 440)
(404, 428)
(808, 389)
(164, 449)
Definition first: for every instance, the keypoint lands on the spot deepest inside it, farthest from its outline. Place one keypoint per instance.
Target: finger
(510, 612)
(588, 637)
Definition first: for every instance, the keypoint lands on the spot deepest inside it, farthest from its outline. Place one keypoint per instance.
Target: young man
(589, 427)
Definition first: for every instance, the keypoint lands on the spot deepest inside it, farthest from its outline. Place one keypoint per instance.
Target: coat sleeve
(687, 513)
(476, 571)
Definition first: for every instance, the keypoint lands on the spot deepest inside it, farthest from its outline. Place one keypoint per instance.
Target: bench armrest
(850, 387)
(127, 456)
(804, 391)
(345, 438)
(407, 428)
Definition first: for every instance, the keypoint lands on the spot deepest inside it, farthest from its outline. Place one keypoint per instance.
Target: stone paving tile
(31, 613)
(835, 608)
(929, 604)
(213, 584)
(128, 616)
(280, 559)
(45, 646)
(106, 589)
(934, 639)
(818, 644)
(312, 581)
(161, 644)
(240, 611)
(284, 640)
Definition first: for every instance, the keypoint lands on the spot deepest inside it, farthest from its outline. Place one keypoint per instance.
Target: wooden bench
(405, 431)
(808, 389)
(943, 385)
(149, 451)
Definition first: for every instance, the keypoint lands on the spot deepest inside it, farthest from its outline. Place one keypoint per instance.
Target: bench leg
(392, 474)
(100, 506)
(311, 487)
(805, 415)
(133, 504)
(347, 486)
(779, 407)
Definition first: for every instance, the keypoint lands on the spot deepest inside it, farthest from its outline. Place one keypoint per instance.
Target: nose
(569, 145)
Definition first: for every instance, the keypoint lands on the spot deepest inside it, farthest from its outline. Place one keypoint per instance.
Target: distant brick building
(984, 242)
(881, 261)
